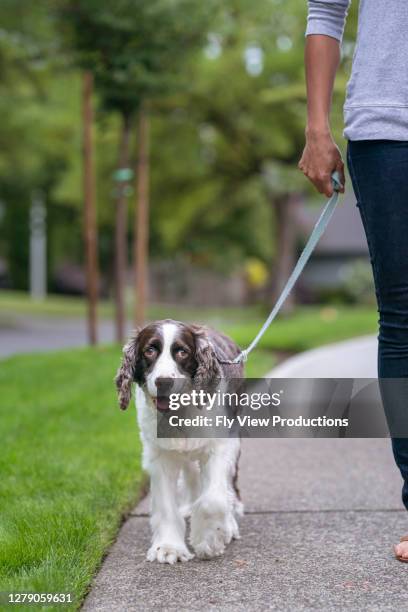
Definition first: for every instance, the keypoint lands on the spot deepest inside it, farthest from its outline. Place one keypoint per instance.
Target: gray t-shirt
(376, 104)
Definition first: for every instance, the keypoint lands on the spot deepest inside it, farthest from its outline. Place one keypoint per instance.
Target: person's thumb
(340, 170)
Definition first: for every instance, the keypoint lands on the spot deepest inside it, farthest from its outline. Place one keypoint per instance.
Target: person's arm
(321, 156)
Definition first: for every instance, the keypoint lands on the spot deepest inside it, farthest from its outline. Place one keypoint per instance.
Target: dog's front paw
(212, 528)
(169, 553)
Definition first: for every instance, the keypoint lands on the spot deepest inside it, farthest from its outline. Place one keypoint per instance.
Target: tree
(90, 226)
(240, 134)
(226, 126)
(32, 152)
(141, 229)
(135, 51)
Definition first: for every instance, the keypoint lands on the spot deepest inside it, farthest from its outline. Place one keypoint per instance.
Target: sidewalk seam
(314, 511)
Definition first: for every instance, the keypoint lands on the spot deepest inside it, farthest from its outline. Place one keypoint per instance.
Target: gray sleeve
(327, 17)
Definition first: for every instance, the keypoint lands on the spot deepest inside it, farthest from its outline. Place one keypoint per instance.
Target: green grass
(70, 468)
(260, 363)
(19, 303)
(69, 464)
(309, 327)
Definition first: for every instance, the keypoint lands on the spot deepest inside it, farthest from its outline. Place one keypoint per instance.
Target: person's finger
(327, 185)
(301, 165)
(317, 181)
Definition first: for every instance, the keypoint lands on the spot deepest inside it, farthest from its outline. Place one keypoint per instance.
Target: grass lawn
(19, 303)
(70, 468)
(69, 464)
(308, 328)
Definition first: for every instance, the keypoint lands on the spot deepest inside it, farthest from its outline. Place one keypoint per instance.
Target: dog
(190, 477)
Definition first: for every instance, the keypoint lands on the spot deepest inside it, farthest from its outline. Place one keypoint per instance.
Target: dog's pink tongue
(162, 403)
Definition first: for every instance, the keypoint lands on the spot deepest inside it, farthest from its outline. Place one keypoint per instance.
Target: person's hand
(321, 157)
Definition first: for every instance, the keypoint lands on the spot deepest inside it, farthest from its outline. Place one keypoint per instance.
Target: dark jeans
(379, 173)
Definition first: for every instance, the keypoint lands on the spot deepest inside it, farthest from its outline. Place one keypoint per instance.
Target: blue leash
(315, 236)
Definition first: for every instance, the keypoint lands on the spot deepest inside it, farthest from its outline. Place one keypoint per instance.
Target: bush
(359, 283)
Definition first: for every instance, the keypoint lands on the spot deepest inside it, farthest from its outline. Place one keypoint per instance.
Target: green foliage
(16, 227)
(359, 283)
(134, 49)
(229, 144)
(227, 98)
(37, 131)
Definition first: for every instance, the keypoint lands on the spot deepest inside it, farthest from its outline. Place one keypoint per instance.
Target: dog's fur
(194, 477)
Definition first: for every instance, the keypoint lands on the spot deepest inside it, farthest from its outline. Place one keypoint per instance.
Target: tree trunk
(286, 248)
(90, 227)
(141, 244)
(121, 232)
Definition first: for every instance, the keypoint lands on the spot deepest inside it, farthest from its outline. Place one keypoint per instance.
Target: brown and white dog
(190, 476)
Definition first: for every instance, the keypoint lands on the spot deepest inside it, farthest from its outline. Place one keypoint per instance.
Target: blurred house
(180, 282)
(170, 282)
(342, 247)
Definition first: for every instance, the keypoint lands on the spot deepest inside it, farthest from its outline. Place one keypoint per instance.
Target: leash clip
(242, 357)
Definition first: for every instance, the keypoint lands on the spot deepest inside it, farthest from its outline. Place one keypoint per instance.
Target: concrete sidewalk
(321, 517)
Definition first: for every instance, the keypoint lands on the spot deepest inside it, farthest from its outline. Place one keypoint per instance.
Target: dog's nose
(164, 385)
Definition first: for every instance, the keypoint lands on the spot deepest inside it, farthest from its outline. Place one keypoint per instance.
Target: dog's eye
(180, 352)
(150, 351)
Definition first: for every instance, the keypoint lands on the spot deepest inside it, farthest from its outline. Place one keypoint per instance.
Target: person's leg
(400, 449)
(379, 173)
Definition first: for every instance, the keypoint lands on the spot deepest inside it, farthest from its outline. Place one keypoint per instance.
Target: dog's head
(160, 353)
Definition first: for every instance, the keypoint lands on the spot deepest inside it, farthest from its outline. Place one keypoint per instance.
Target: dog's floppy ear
(126, 374)
(208, 368)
